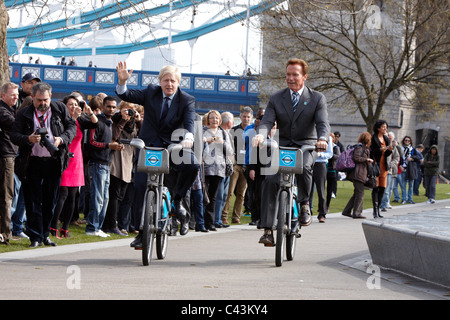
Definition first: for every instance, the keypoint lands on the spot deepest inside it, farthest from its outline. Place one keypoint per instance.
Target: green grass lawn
(345, 191)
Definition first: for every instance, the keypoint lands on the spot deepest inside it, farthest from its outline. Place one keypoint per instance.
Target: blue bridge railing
(217, 89)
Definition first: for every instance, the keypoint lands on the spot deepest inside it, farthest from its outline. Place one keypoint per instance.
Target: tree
(364, 52)
(4, 62)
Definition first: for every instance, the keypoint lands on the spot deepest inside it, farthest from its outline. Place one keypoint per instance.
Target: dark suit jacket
(309, 122)
(153, 131)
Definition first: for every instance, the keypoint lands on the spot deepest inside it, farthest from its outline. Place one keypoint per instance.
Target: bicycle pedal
(298, 235)
(137, 248)
(269, 245)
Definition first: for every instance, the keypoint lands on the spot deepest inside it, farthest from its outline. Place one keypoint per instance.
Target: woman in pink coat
(73, 177)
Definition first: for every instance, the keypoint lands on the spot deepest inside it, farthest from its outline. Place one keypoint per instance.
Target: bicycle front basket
(153, 160)
(291, 160)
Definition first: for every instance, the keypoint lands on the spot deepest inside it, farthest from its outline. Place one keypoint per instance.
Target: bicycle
(287, 212)
(156, 218)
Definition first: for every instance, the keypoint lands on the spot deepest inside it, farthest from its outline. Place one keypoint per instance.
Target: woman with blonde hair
(219, 145)
(361, 157)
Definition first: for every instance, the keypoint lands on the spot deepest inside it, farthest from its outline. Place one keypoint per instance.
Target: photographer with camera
(125, 125)
(39, 166)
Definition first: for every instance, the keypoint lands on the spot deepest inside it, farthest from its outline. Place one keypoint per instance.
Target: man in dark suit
(302, 119)
(166, 109)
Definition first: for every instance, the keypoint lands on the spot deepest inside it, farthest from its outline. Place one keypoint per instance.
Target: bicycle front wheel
(148, 227)
(281, 228)
(162, 240)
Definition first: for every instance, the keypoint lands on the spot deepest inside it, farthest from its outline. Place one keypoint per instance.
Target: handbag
(228, 164)
(206, 200)
(373, 171)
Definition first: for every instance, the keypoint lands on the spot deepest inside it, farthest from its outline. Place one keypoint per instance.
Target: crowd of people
(393, 166)
(60, 158)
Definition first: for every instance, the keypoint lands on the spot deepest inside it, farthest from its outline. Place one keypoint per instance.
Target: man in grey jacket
(302, 119)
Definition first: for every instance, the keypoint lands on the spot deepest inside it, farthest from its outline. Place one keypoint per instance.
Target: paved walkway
(331, 263)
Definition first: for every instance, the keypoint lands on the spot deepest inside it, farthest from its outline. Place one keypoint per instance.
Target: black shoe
(218, 225)
(35, 244)
(201, 229)
(267, 239)
(184, 229)
(305, 215)
(212, 228)
(180, 210)
(137, 242)
(49, 242)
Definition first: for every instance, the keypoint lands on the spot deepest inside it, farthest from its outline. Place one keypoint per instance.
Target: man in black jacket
(9, 96)
(42, 157)
(98, 151)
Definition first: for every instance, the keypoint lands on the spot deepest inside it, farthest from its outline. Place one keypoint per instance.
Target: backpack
(344, 162)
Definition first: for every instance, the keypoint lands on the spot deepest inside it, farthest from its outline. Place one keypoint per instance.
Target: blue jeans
(17, 208)
(406, 195)
(387, 192)
(99, 196)
(221, 197)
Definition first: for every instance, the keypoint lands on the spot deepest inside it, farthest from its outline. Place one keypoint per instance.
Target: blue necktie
(165, 108)
(294, 101)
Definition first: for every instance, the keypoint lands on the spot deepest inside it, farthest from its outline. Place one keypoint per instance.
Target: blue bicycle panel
(153, 158)
(288, 158)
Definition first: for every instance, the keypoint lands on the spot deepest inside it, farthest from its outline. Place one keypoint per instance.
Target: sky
(215, 53)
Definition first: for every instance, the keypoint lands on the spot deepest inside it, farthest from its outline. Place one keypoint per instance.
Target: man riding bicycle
(302, 119)
(166, 109)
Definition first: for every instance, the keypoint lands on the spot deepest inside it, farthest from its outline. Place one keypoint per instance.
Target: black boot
(375, 203)
(380, 192)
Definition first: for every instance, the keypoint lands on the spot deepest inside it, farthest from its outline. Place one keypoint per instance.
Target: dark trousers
(319, 178)
(271, 184)
(65, 206)
(6, 195)
(117, 190)
(40, 190)
(331, 185)
(179, 180)
(254, 195)
(212, 185)
(356, 202)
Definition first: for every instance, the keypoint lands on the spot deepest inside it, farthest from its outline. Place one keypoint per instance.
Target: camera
(45, 142)
(131, 112)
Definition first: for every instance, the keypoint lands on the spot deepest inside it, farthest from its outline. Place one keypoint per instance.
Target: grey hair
(227, 117)
(41, 87)
(247, 110)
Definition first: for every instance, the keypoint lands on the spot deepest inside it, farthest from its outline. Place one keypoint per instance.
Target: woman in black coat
(380, 148)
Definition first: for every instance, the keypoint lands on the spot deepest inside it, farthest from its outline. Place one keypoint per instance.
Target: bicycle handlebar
(139, 144)
(275, 145)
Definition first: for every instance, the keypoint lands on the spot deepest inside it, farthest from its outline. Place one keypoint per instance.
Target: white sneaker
(98, 233)
(102, 234)
(433, 201)
(22, 235)
(333, 195)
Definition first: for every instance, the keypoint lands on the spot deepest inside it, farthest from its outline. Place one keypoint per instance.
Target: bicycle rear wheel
(281, 228)
(148, 227)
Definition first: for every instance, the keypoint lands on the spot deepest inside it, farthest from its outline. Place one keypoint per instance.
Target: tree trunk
(4, 61)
